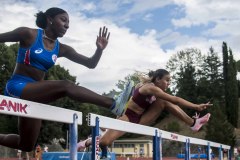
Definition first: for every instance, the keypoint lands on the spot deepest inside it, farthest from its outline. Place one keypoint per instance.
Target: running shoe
(81, 146)
(122, 99)
(199, 122)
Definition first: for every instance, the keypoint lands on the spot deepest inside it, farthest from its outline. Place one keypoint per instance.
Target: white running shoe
(199, 122)
(122, 99)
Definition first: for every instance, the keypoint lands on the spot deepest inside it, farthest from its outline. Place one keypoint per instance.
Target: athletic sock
(194, 121)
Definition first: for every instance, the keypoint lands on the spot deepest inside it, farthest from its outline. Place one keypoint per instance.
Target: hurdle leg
(209, 154)
(156, 147)
(160, 147)
(187, 150)
(95, 141)
(220, 153)
(73, 138)
(229, 154)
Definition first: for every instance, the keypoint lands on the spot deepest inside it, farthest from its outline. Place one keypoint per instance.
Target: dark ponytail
(41, 20)
(159, 73)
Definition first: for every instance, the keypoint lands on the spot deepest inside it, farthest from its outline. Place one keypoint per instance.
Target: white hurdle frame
(97, 121)
(29, 109)
(191, 140)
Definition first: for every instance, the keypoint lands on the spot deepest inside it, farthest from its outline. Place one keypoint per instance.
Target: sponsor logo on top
(38, 51)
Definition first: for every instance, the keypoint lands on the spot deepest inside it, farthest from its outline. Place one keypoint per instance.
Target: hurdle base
(66, 155)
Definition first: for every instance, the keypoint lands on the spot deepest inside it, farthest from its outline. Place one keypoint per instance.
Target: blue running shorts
(15, 85)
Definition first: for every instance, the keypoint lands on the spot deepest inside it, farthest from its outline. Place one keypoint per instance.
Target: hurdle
(191, 140)
(97, 121)
(29, 109)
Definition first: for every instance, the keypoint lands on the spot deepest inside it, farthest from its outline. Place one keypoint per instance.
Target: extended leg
(179, 113)
(49, 91)
(156, 109)
(45, 92)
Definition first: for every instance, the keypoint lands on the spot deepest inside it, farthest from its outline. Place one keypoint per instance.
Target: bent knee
(105, 142)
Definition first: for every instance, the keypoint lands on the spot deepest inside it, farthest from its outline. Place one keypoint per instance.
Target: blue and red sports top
(37, 56)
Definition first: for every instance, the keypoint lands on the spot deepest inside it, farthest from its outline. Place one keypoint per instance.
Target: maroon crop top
(144, 101)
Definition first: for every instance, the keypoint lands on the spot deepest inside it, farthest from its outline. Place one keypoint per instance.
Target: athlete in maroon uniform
(148, 100)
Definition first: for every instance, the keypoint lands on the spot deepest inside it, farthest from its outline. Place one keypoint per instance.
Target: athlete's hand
(102, 38)
(201, 107)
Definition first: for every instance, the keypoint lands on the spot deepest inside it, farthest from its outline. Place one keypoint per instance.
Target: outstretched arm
(101, 42)
(23, 35)
(151, 89)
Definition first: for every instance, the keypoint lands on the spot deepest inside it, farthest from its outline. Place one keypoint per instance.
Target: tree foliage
(181, 62)
(218, 128)
(231, 86)
(184, 66)
(7, 63)
(210, 83)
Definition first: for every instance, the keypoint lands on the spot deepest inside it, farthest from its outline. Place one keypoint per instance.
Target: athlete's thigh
(44, 91)
(111, 134)
(153, 112)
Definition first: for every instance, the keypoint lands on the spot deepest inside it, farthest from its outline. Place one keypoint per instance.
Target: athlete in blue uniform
(39, 50)
(35, 56)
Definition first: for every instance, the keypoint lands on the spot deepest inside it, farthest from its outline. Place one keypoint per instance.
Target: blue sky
(144, 33)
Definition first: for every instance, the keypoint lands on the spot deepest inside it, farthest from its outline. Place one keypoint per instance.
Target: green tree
(186, 60)
(186, 85)
(184, 67)
(238, 65)
(231, 85)
(7, 63)
(218, 128)
(210, 83)
(238, 80)
(233, 91)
